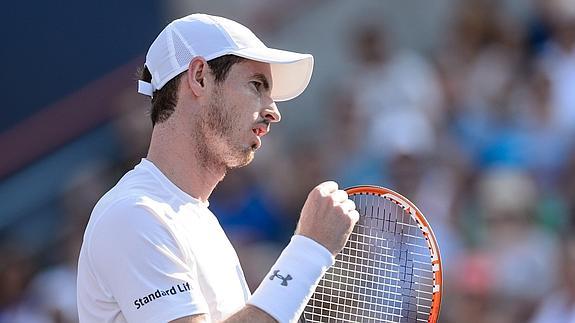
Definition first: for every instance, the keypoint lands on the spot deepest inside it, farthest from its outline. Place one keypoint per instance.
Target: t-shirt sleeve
(139, 262)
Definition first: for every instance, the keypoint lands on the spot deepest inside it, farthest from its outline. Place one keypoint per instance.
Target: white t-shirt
(152, 253)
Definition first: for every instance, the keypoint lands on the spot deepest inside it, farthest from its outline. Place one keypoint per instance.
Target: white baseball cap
(212, 37)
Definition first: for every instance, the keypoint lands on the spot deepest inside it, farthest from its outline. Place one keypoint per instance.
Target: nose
(271, 113)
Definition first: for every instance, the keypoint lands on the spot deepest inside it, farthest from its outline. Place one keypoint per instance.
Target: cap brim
(291, 72)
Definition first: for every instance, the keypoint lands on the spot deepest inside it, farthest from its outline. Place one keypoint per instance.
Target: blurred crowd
(478, 132)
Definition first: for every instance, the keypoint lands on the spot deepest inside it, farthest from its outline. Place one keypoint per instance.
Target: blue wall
(49, 49)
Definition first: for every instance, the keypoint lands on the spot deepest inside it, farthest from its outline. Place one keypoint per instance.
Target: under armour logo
(284, 279)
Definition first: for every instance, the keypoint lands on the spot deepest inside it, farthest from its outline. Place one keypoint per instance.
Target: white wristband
(287, 288)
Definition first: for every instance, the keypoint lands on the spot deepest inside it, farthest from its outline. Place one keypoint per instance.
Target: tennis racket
(389, 270)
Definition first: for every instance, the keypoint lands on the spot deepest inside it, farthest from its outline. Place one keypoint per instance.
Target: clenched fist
(328, 217)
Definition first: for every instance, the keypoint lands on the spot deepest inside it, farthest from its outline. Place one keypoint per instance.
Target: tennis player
(152, 250)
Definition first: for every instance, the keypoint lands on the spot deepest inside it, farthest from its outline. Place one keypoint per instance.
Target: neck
(180, 162)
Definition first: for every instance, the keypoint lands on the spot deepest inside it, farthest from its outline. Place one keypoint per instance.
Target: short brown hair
(164, 100)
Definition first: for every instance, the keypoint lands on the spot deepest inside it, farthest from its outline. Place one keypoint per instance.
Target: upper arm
(142, 267)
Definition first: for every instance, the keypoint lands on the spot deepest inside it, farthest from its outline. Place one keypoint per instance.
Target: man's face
(239, 112)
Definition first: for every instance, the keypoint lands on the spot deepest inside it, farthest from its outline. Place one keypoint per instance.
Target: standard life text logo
(180, 288)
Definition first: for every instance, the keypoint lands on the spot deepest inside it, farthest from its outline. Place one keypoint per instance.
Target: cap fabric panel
(239, 34)
(212, 37)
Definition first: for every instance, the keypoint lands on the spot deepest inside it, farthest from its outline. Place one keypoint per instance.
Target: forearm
(247, 314)
(285, 290)
(250, 314)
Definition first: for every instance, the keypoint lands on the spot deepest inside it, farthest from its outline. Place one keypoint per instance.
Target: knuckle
(329, 186)
(352, 204)
(348, 205)
(332, 184)
(316, 192)
(354, 215)
(340, 196)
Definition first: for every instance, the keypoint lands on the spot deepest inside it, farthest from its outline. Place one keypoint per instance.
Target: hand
(328, 217)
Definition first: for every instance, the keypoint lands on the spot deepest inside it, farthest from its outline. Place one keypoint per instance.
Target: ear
(197, 72)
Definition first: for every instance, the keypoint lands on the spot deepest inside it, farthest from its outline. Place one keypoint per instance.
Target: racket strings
(383, 274)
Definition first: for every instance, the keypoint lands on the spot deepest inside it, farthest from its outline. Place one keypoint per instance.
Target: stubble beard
(217, 148)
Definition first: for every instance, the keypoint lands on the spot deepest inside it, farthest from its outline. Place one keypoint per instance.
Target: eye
(257, 85)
